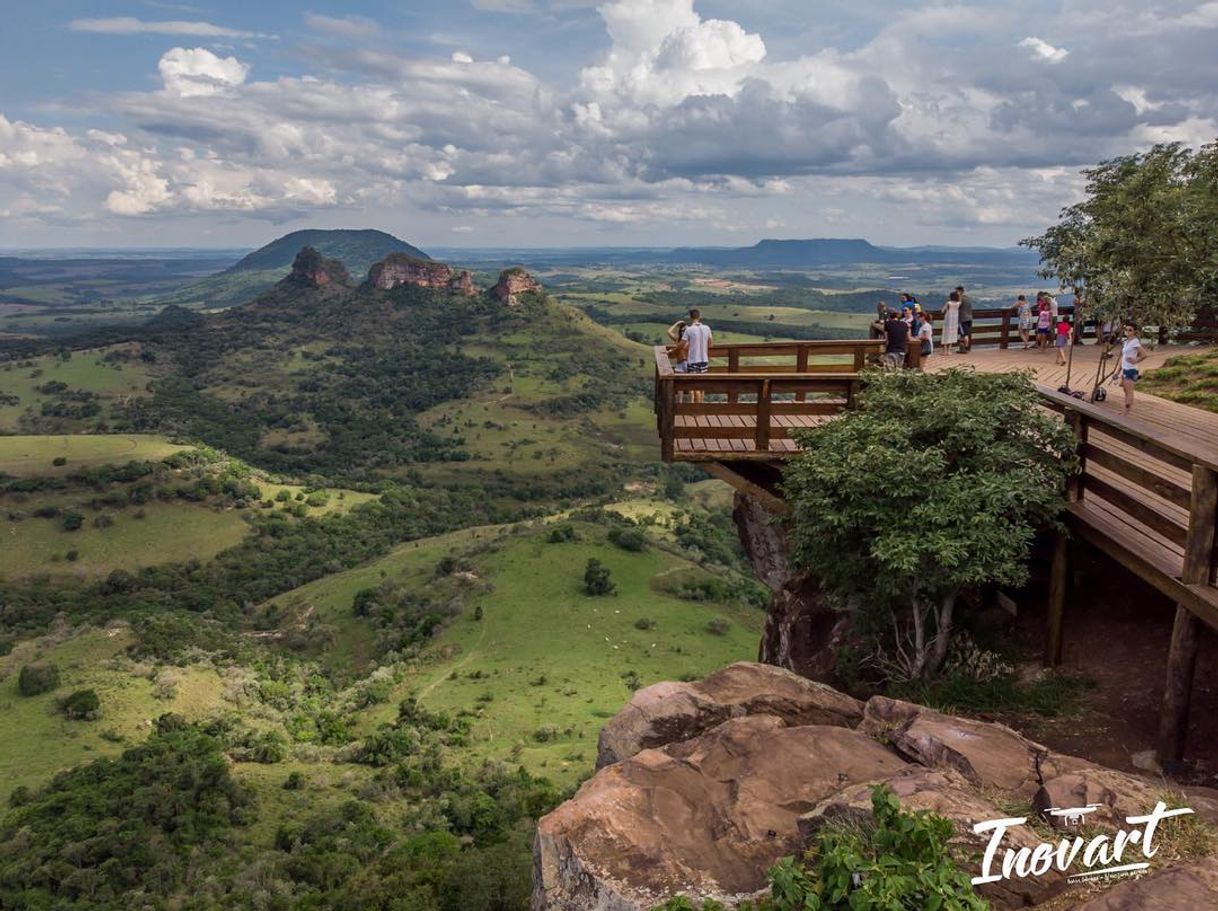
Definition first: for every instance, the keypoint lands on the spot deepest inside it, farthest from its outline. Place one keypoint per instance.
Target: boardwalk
(1147, 494)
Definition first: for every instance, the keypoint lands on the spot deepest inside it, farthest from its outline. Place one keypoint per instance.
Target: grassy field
(37, 545)
(36, 740)
(85, 370)
(1191, 379)
(29, 456)
(544, 653)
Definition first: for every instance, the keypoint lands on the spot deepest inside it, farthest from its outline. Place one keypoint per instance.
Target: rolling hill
(258, 271)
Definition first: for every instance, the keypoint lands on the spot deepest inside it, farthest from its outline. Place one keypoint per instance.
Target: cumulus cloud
(951, 115)
(191, 72)
(129, 25)
(1043, 50)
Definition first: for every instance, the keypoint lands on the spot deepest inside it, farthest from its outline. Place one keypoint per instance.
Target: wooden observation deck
(1147, 494)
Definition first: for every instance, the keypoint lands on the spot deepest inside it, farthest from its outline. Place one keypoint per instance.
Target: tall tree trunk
(943, 634)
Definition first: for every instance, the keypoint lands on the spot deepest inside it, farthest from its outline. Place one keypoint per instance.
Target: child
(1044, 319)
(1063, 339)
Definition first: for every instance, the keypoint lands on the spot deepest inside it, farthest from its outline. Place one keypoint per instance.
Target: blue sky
(563, 122)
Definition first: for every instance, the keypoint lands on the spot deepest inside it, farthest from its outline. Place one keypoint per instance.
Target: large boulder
(312, 270)
(512, 282)
(667, 712)
(1191, 887)
(1110, 796)
(402, 269)
(706, 817)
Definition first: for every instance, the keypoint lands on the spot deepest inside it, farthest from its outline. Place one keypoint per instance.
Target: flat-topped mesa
(402, 269)
(512, 282)
(312, 270)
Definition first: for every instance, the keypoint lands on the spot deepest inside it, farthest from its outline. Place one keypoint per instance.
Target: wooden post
(1182, 658)
(733, 366)
(801, 366)
(860, 359)
(1006, 329)
(762, 435)
(1057, 600)
(1076, 483)
(666, 414)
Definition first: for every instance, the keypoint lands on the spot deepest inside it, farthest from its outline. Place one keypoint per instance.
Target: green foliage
(82, 705)
(719, 626)
(596, 578)
(562, 533)
(121, 833)
(988, 469)
(1143, 245)
(72, 520)
(902, 864)
(631, 539)
(37, 677)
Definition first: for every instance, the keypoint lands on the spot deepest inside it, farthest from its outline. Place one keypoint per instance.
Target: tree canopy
(937, 482)
(1143, 244)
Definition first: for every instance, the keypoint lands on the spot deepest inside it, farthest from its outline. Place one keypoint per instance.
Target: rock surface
(512, 282)
(801, 630)
(667, 712)
(400, 269)
(703, 786)
(1191, 887)
(312, 270)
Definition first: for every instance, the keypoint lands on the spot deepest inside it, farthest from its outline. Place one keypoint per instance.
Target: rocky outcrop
(1190, 887)
(706, 817)
(401, 269)
(512, 282)
(802, 631)
(669, 712)
(703, 786)
(312, 270)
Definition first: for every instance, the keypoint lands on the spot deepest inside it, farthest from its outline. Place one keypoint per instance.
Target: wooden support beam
(1178, 690)
(1058, 578)
(762, 436)
(1074, 484)
(1182, 658)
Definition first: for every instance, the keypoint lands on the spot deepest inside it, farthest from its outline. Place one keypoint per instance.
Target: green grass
(36, 740)
(85, 370)
(168, 533)
(1191, 379)
(30, 456)
(550, 655)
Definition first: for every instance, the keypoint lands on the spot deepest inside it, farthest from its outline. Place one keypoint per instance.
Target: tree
(37, 677)
(596, 578)
(1143, 245)
(937, 482)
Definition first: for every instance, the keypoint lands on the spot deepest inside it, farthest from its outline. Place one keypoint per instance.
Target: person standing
(966, 320)
(1062, 341)
(925, 336)
(951, 322)
(698, 334)
(877, 325)
(678, 352)
(1132, 353)
(896, 340)
(1027, 322)
(1044, 322)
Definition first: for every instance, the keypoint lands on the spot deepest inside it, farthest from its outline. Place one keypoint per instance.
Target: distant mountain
(836, 251)
(257, 272)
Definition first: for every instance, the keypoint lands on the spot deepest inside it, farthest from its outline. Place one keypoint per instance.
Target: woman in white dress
(951, 322)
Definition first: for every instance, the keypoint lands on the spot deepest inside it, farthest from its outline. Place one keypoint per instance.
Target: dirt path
(426, 691)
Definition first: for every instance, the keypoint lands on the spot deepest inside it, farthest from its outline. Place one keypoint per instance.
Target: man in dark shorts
(966, 321)
(896, 340)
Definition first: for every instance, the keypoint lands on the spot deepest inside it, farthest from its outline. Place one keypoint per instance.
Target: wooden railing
(754, 395)
(1000, 325)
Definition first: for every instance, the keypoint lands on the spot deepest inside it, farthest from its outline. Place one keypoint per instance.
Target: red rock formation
(512, 282)
(312, 270)
(401, 269)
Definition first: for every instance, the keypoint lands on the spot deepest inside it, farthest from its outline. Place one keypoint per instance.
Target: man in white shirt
(698, 334)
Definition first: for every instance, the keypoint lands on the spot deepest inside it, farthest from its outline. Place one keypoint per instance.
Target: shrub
(628, 539)
(294, 782)
(545, 733)
(38, 677)
(718, 626)
(83, 705)
(59, 461)
(72, 520)
(72, 556)
(596, 578)
(644, 623)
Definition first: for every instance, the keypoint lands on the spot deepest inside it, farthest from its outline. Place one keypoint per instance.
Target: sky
(532, 123)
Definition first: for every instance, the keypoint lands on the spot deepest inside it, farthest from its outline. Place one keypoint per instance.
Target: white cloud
(129, 25)
(1043, 50)
(349, 27)
(191, 72)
